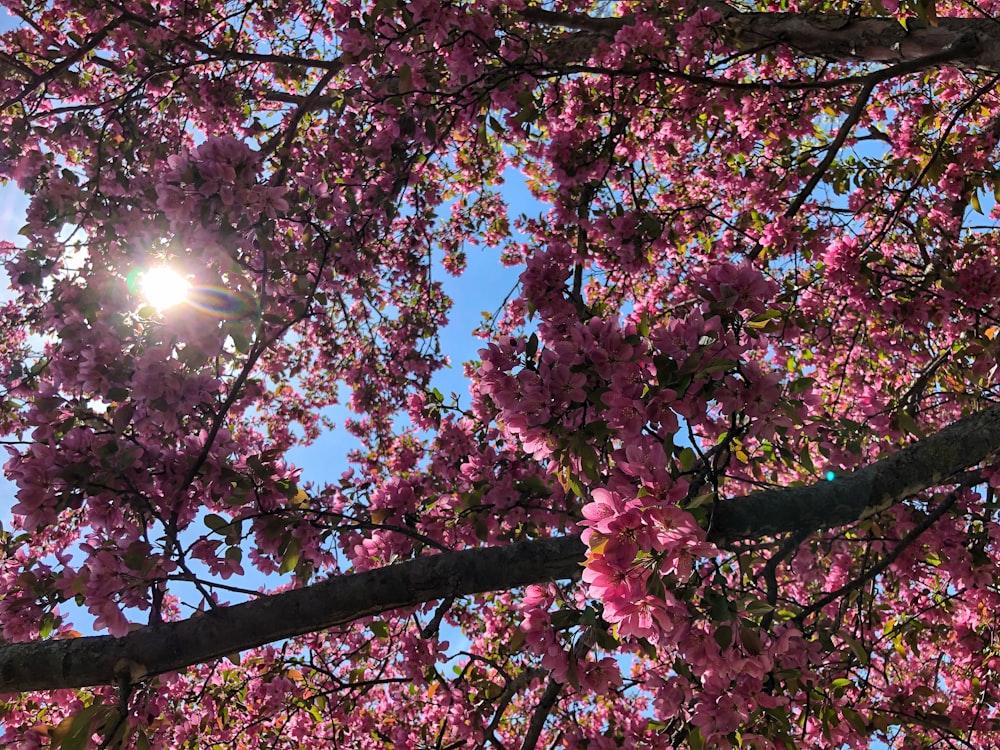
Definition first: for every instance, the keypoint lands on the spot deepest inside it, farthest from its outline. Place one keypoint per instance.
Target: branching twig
(872, 80)
(886, 561)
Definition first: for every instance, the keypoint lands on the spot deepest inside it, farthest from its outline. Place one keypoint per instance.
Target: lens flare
(164, 288)
(221, 303)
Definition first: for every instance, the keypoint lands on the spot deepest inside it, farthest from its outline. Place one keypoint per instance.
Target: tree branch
(843, 38)
(103, 660)
(829, 36)
(927, 463)
(871, 573)
(947, 54)
(97, 660)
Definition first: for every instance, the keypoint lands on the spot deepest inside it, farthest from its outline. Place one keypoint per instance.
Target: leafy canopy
(744, 377)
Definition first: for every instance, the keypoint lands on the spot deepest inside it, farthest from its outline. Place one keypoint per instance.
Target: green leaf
(908, 424)
(723, 636)
(380, 629)
(291, 555)
(74, 732)
(751, 640)
(605, 639)
(572, 674)
(405, 76)
(718, 606)
(565, 618)
(801, 384)
(216, 523)
(655, 587)
(856, 720)
(687, 459)
(858, 648)
(758, 607)
(516, 640)
(718, 365)
(763, 321)
(309, 707)
(480, 527)
(531, 348)
(46, 625)
(574, 484)
(590, 462)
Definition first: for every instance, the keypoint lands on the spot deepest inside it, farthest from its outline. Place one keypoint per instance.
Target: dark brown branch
(829, 36)
(541, 714)
(927, 463)
(512, 689)
(576, 21)
(91, 43)
(843, 38)
(101, 660)
(96, 660)
(551, 695)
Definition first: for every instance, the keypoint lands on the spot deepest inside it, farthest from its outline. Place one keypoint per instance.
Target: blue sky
(482, 288)
(12, 206)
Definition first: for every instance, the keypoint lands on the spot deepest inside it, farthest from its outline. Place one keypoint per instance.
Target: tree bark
(103, 660)
(966, 42)
(975, 42)
(927, 463)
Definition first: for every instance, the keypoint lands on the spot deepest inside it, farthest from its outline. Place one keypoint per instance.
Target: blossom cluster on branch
(722, 475)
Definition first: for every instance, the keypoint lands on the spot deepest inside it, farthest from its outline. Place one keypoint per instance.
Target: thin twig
(872, 80)
(890, 558)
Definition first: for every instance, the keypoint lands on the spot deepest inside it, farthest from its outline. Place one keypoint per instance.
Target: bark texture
(964, 42)
(102, 660)
(968, 42)
(927, 463)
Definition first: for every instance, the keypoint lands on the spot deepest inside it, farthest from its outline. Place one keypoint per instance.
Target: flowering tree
(723, 476)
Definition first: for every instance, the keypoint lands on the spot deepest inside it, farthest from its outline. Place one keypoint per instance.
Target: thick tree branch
(927, 463)
(100, 660)
(103, 660)
(875, 40)
(830, 36)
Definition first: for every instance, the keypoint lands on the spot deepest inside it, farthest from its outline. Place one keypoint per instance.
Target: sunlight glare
(164, 288)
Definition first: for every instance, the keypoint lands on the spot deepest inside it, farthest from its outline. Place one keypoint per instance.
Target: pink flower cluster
(630, 540)
(217, 181)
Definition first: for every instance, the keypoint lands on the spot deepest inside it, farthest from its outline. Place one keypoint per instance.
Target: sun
(163, 287)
